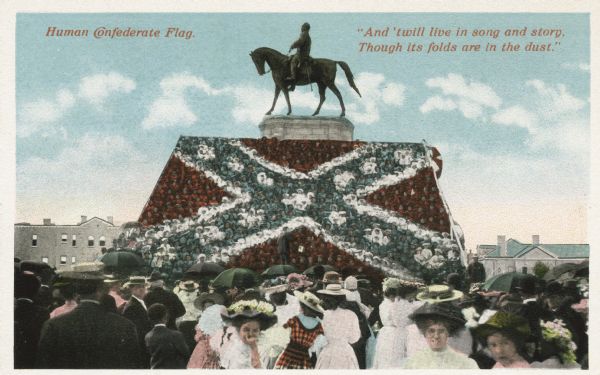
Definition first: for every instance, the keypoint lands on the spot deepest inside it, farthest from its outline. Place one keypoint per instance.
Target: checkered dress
(295, 355)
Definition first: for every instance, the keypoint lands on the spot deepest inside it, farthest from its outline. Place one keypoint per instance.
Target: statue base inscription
(307, 127)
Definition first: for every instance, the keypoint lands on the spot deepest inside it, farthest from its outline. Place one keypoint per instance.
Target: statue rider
(302, 46)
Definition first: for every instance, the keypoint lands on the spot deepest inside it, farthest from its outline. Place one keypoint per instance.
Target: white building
(512, 255)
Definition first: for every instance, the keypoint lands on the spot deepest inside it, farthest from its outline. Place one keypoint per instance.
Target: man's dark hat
(527, 285)
(553, 288)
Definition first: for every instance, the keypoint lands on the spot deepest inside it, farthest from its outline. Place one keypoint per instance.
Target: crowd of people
(84, 318)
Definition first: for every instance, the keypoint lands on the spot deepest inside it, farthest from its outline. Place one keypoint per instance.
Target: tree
(540, 269)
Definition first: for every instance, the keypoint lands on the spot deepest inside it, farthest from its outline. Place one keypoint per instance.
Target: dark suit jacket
(167, 348)
(135, 312)
(170, 300)
(29, 319)
(88, 338)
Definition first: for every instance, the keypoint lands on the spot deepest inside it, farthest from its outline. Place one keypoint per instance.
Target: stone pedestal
(307, 127)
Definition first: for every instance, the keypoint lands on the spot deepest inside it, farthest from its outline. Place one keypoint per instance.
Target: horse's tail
(349, 76)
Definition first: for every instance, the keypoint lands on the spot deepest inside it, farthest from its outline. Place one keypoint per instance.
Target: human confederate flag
(369, 207)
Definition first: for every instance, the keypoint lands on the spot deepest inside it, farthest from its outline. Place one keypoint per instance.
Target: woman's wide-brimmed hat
(501, 321)
(439, 311)
(204, 297)
(276, 285)
(439, 293)
(333, 290)
(244, 310)
(309, 300)
(297, 281)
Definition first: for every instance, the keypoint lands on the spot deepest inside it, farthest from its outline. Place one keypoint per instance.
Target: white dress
(445, 359)
(391, 339)
(341, 329)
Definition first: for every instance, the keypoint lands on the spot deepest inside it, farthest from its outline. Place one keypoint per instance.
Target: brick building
(63, 245)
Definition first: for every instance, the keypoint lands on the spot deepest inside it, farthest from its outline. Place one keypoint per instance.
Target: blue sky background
(98, 118)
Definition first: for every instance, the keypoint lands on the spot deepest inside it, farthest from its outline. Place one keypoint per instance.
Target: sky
(98, 118)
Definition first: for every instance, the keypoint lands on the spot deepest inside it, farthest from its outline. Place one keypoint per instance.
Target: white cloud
(438, 103)
(469, 97)
(41, 117)
(171, 107)
(584, 67)
(556, 100)
(98, 174)
(98, 87)
(251, 102)
(517, 115)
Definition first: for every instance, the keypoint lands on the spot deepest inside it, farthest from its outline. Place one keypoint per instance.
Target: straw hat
(189, 285)
(439, 293)
(136, 281)
(309, 300)
(332, 277)
(333, 290)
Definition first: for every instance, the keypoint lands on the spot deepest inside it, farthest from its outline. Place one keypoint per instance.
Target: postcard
(361, 187)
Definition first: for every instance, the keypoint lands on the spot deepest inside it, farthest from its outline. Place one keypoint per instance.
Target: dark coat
(136, 313)
(28, 318)
(170, 300)
(476, 272)
(88, 338)
(303, 44)
(167, 348)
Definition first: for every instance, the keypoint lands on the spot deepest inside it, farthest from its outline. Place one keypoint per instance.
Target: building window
(74, 240)
(45, 260)
(73, 259)
(63, 259)
(34, 240)
(91, 241)
(102, 241)
(64, 238)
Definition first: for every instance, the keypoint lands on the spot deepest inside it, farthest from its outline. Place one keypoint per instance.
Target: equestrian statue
(301, 70)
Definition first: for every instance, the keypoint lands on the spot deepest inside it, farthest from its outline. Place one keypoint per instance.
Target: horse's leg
(322, 88)
(335, 90)
(287, 99)
(277, 91)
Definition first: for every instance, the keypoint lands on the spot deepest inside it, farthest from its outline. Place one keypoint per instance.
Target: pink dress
(521, 363)
(341, 329)
(203, 355)
(68, 306)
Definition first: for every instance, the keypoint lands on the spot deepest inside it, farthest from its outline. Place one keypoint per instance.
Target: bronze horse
(321, 71)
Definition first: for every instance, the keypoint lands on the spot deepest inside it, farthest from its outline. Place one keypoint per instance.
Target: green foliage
(540, 269)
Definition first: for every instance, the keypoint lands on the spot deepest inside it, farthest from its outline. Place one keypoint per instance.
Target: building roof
(64, 225)
(516, 249)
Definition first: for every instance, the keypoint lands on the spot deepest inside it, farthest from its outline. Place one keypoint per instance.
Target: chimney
(47, 221)
(535, 239)
(109, 219)
(502, 246)
(83, 219)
